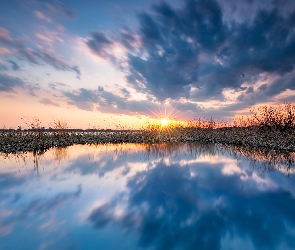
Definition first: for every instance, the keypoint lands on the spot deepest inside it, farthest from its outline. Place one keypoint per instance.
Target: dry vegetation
(271, 128)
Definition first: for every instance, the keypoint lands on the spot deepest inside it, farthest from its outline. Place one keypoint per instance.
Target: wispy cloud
(100, 44)
(14, 65)
(37, 56)
(3, 67)
(4, 52)
(41, 16)
(49, 36)
(10, 83)
(58, 8)
(49, 102)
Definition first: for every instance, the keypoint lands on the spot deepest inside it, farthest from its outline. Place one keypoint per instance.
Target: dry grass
(271, 128)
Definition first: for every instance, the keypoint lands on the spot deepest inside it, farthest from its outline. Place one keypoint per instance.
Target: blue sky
(122, 61)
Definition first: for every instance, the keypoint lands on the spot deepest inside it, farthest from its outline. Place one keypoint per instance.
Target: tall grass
(281, 117)
(276, 117)
(249, 131)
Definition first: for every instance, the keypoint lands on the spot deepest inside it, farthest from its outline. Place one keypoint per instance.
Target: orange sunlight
(164, 122)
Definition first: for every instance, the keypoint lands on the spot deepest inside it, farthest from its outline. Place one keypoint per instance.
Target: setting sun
(165, 122)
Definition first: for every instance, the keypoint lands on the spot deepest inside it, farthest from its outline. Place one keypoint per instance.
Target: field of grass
(271, 128)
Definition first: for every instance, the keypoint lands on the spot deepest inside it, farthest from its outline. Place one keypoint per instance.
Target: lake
(136, 196)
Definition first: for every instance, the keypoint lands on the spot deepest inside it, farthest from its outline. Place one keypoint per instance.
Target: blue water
(139, 197)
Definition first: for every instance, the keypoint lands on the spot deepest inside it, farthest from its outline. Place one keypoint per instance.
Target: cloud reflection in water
(163, 196)
(171, 208)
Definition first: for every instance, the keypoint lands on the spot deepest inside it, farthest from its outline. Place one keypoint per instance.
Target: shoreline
(251, 137)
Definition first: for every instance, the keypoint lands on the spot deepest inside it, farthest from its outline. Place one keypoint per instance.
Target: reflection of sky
(121, 197)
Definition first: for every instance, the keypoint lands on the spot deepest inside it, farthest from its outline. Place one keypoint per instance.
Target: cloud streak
(10, 83)
(38, 56)
(109, 102)
(58, 8)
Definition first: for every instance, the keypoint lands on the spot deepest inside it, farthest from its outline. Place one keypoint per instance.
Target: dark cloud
(36, 56)
(125, 92)
(6, 39)
(127, 38)
(279, 85)
(198, 50)
(245, 11)
(171, 41)
(287, 99)
(14, 65)
(9, 83)
(267, 92)
(75, 69)
(265, 45)
(171, 208)
(101, 45)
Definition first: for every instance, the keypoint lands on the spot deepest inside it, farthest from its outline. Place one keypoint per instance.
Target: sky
(98, 64)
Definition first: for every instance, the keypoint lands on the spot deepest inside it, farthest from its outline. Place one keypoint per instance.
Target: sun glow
(165, 119)
(164, 122)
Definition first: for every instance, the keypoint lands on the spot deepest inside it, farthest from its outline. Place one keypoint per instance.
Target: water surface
(147, 197)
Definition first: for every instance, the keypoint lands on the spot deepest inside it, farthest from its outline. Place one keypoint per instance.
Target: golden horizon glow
(164, 122)
(165, 117)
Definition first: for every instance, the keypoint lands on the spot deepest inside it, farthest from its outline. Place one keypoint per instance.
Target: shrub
(280, 117)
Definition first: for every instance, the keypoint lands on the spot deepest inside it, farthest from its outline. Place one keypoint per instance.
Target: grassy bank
(271, 128)
(239, 136)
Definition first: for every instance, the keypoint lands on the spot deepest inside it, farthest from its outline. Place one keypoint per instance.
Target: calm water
(139, 197)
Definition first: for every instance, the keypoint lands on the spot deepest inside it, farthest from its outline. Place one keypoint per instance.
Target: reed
(267, 127)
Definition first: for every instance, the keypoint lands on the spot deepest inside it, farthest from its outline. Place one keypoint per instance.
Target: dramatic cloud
(197, 51)
(245, 11)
